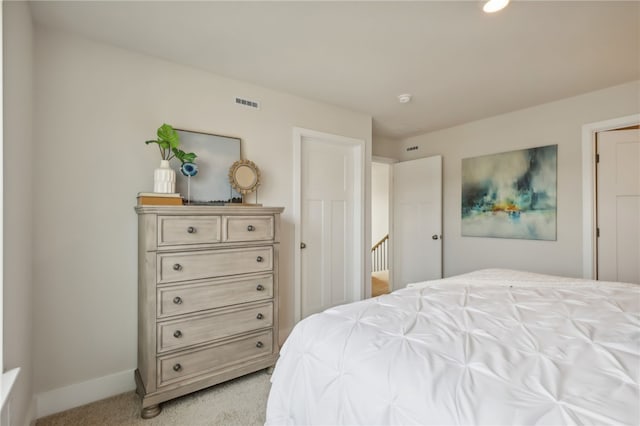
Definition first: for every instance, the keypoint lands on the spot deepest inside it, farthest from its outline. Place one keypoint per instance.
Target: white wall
(553, 123)
(95, 107)
(385, 147)
(379, 201)
(18, 157)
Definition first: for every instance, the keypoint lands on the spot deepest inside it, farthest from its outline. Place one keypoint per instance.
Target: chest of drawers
(207, 297)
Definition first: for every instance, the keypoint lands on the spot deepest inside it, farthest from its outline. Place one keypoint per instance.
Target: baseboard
(57, 400)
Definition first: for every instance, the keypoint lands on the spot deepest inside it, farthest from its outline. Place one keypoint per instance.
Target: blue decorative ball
(189, 169)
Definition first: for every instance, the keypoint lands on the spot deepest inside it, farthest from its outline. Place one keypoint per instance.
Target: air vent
(248, 103)
(412, 148)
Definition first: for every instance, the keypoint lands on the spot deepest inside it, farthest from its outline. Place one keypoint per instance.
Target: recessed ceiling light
(495, 5)
(404, 98)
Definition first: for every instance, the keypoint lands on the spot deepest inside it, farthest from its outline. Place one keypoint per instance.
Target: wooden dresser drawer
(188, 298)
(174, 230)
(202, 361)
(213, 263)
(248, 228)
(204, 328)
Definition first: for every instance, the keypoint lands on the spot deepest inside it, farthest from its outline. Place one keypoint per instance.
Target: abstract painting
(511, 194)
(215, 155)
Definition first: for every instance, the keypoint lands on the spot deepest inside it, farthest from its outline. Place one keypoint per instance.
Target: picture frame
(511, 194)
(215, 154)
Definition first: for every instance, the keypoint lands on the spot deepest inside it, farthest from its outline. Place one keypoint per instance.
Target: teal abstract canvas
(511, 194)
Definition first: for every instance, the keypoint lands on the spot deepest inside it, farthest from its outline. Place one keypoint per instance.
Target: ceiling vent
(248, 103)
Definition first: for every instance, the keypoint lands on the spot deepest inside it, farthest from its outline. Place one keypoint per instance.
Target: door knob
(303, 246)
(434, 237)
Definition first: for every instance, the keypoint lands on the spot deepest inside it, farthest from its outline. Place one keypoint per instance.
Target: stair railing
(380, 255)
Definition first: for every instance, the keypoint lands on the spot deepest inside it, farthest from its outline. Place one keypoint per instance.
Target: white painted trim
(589, 186)
(297, 217)
(391, 247)
(7, 380)
(57, 400)
(1, 192)
(359, 211)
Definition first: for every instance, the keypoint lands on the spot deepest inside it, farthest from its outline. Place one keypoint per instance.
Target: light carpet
(380, 283)
(239, 402)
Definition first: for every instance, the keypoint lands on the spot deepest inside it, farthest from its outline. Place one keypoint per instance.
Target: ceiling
(459, 63)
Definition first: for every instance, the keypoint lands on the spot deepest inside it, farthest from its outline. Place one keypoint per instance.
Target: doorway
(329, 217)
(407, 196)
(380, 225)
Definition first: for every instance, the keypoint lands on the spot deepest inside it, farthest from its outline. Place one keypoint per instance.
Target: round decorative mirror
(244, 176)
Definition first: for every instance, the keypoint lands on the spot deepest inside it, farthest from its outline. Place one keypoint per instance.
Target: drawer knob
(191, 230)
(259, 259)
(177, 267)
(251, 228)
(259, 316)
(177, 300)
(177, 367)
(259, 344)
(177, 334)
(260, 287)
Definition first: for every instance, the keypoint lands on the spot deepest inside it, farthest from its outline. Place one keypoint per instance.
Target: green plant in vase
(169, 145)
(169, 142)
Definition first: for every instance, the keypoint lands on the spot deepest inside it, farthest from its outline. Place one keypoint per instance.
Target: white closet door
(417, 221)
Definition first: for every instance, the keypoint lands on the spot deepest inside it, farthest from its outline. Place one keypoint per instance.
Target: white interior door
(618, 205)
(331, 222)
(416, 235)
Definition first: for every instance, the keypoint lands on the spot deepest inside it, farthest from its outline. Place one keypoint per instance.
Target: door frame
(589, 131)
(358, 251)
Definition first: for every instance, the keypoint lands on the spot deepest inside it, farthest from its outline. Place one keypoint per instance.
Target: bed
(492, 347)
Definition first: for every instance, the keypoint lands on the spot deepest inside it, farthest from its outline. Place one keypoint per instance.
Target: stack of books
(159, 199)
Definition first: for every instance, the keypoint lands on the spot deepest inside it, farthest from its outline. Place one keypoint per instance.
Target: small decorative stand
(189, 170)
(188, 190)
(244, 177)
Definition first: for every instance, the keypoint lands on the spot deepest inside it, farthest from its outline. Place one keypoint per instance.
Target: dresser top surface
(212, 210)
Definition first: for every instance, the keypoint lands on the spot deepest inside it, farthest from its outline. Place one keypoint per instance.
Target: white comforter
(493, 347)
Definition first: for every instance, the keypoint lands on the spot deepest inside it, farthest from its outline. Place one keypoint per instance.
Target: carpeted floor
(239, 402)
(379, 283)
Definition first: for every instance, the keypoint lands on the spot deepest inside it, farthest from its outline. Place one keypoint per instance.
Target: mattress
(492, 347)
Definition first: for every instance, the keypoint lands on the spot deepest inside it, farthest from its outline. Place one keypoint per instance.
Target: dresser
(207, 297)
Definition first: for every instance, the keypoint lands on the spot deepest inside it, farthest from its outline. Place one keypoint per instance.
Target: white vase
(164, 178)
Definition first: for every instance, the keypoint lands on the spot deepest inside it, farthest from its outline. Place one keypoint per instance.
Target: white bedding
(493, 347)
